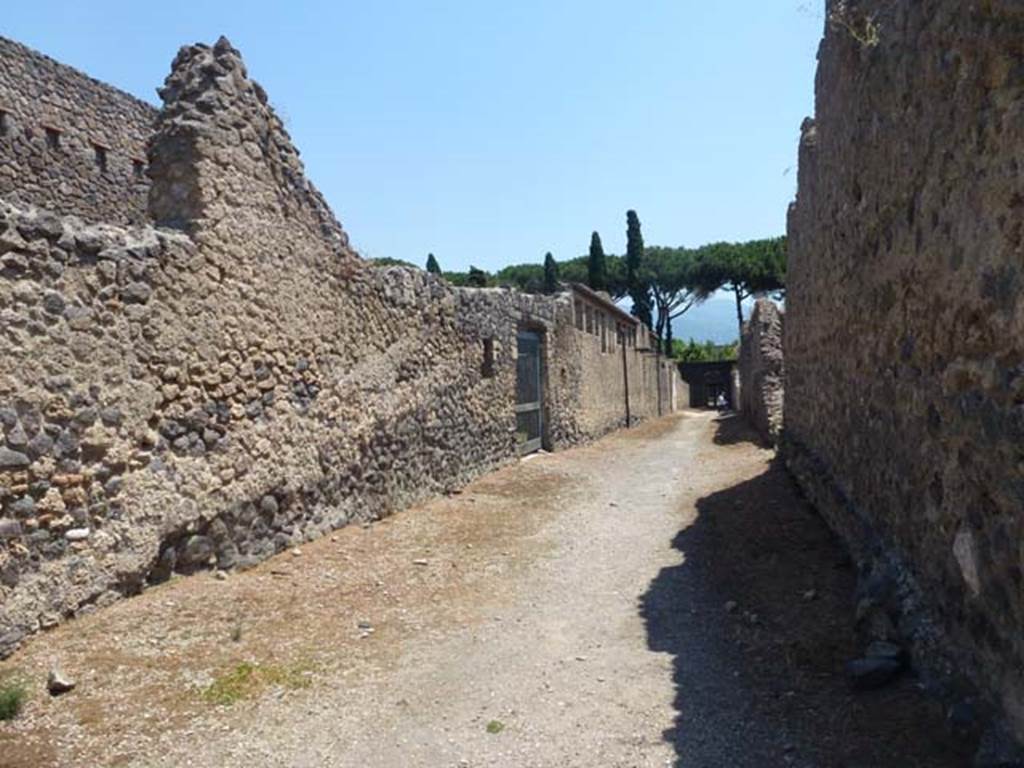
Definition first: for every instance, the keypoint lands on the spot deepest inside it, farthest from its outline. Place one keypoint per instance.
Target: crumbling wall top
(221, 161)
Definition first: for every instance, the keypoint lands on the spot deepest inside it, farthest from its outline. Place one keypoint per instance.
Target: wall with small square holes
(70, 143)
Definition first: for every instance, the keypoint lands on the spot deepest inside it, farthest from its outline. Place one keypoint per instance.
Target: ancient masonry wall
(905, 326)
(235, 381)
(68, 142)
(761, 369)
(655, 387)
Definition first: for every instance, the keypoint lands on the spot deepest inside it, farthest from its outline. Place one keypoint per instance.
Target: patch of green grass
(495, 726)
(247, 680)
(12, 697)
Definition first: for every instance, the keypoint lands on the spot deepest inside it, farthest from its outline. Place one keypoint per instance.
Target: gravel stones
(58, 683)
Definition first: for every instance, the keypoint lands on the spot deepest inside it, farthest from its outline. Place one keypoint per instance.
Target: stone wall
(593, 365)
(237, 381)
(69, 143)
(905, 326)
(761, 369)
(655, 387)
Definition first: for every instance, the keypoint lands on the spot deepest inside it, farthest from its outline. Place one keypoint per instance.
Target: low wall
(70, 143)
(905, 327)
(761, 370)
(210, 393)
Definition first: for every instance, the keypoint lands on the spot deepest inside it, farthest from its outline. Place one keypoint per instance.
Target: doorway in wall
(529, 393)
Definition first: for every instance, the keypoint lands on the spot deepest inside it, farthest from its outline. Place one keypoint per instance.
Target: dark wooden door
(529, 397)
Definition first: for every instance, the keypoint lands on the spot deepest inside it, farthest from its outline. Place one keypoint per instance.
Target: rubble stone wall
(761, 369)
(904, 335)
(236, 381)
(69, 143)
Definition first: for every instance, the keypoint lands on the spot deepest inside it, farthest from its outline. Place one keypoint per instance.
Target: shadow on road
(733, 429)
(758, 621)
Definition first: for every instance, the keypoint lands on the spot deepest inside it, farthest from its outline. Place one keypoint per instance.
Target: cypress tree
(432, 266)
(636, 284)
(550, 274)
(597, 267)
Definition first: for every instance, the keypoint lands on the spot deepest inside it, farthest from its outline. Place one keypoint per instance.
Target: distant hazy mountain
(714, 320)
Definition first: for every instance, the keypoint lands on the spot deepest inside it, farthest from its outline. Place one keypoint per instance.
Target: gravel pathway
(569, 610)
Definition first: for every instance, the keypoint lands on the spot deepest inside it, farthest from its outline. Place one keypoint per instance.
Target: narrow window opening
(101, 157)
(138, 169)
(4, 126)
(487, 367)
(52, 137)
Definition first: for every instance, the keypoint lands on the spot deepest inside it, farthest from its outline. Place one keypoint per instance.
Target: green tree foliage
(550, 274)
(707, 352)
(528, 278)
(673, 286)
(637, 280)
(575, 270)
(744, 269)
(387, 261)
(615, 267)
(578, 271)
(597, 267)
(477, 278)
(432, 266)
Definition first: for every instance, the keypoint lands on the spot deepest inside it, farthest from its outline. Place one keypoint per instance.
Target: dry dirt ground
(568, 610)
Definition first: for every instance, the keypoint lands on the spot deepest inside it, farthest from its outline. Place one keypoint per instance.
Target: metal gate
(529, 405)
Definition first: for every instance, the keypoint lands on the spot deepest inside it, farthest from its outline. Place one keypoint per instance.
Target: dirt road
(569, 610)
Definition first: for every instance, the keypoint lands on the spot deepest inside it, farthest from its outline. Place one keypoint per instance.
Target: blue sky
(491, 132)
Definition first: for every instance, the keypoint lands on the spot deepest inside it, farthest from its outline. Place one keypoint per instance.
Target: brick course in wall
(69, 143)
(905, 327)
